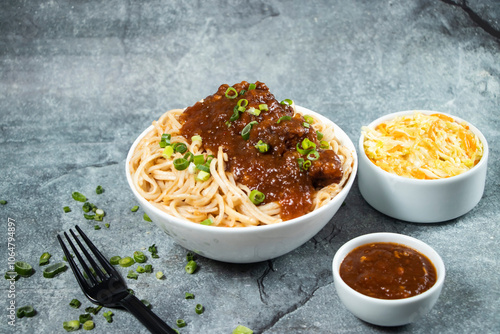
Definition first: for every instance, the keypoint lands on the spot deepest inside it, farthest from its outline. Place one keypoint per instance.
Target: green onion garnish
(134, 208)
(231, 93)
(196, 138)
(188, 295)
(306, 125)
(181, 163)
(88, 325)
(207, 222)
(159, 275)
(146, 217)
(148, 268)
(23, 268)
(252, 86)
(323, 144)
(132, 274)
(198, 159)
(319, 134)
(146, 303)
(140, 269)
(256, 197)
(204, 168)
(97, 227)
(99, 190)
(191, 267)
(253, 111)
(245, 133)
(283, 118)
(66, 209)
(242, 103)
(313, 155)
(114, 260)
(181, 323)
(75, 303)
(235, 115)
(78, 197)
(263, 107)
(304, 164)
(84, 317)
(139, 257)
(165, 140)
(71, 326)
(52, 270)
(25, 311)
(179, 147)
(287, 102)
(108, 316)
(262, 147)
(3, 202)
(199, 309)
(126, 261)
(44, 259)
(242, 330)
(307, 146)
(202, 176)
(93, 310)
(309, 119)
(190, 256)
(167, 152)
(154, 251)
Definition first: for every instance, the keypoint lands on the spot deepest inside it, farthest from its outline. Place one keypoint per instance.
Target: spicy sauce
(388, 271)
(277, 172)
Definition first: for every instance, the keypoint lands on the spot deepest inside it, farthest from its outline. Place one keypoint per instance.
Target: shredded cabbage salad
(422, 146)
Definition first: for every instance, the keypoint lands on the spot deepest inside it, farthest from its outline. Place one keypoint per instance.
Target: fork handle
(145, 315)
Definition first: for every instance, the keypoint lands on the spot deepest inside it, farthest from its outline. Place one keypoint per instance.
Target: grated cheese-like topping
(422, 146)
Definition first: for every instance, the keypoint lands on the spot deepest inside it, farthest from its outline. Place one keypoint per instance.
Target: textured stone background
(79, 80)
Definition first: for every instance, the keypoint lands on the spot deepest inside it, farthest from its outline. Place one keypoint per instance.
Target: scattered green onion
(93, 310)
(304, 165)
(3, 202)
(262, 147)
(191, 267)
(146, 217)
(263, 107)
(242, 103)
(179, 147)
(97, 227)
(165, 140)
(148, 268)
(242, 330)
(231, 93)
(88, 325)
(252, 86)
(154, 251)
(235, 115)
(204, 168)
(256, 197)
(203, 176)
(134, 208)
(99, 213)
(107, 225)
(85, 317)
(52, 270)
(313, 155)
(319, 134)
(181, 323)
(159, 275)
(140, 269)
(44, 259)
(309, 119)
(253, 111)
(108, 316)
(99, 190)
(25, 311)
(323, 144)
(126, 261)
(190, 256)
(78, 197)
(188, 295)
(75, 303)
(207, 221)
(71, 326)
(306, 125)
(245, 133)
(167, 152)
(199, 309)
(89, 217)
(287, 102)
(139, 257)
(87, 207)
(114, 260)
(23, 268)
(283, 118)
(66, 209)
(132, 274)
(181, 163)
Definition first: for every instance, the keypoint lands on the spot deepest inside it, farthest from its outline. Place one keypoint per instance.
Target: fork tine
(72, 264)
(80, 258)
(97, 270)
(102, 259)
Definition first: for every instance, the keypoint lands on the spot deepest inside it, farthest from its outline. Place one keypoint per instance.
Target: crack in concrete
(476, 18)
(260, 282)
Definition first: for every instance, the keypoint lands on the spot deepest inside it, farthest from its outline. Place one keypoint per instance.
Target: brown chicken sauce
(276, 173)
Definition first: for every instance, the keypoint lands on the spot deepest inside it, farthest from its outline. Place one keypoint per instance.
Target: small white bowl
(388, 312)
(421, 201)
(247, 244)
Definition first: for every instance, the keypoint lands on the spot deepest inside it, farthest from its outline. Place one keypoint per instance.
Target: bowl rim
(339, 133)
(482, 138)
(398, 238)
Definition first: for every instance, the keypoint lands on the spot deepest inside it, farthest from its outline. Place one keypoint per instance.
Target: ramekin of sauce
(388, 279)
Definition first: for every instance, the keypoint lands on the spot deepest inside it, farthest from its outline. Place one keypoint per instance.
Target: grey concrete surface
(79, 80)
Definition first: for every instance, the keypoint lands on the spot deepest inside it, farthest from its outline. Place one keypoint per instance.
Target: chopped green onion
(108, 316)
(307, 146)
(191, 267)
(25, 311)
(262, 147)
(93, 310)
(87, 207)
(52, 270)
(75, 303)
(323, 144)
(114, 260)
(89, 217)
(66, 209)
(309, 119)
(242, 330)
(313, 155)
(235, 115)
(306, 125)
(165, 140)
(179, 147)
(44, 259)
(252, 86)
(304, 165)
(231, 93)
(181, 323)
(198, 159)
(126, 261)
(99, 190)
(207, 222)
(196, 138)
(146, 303)
(256, 197)
(167, 152)
(253, 111)
(140, 269)
(242, 92)
(188, 295)
(159, 275)
(139, 257)
(319, 134)
(283, 118)
(23, 268)
(71, 326)
(204, 168)
(3, 202)
(263, 107)
(181, 163)
(84, 317)
(148, 268)
(107, 225)
(97, 227)
(199, 309)
(154, 251)
(134, 208)
(245, 133)
(242, 103)
(203, 176)
(88, 325)
(146, 217)
(78, 197)
(189, 256)
(287, 102)
(132, 274)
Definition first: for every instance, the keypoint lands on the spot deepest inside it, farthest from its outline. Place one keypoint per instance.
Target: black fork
(105, 286)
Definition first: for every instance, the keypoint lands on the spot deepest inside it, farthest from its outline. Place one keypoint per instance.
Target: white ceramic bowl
(421, 201)
(247, 244)
(388, 312)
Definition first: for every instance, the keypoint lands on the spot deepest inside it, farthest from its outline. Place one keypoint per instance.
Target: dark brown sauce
(388, 271)
(275, 173)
